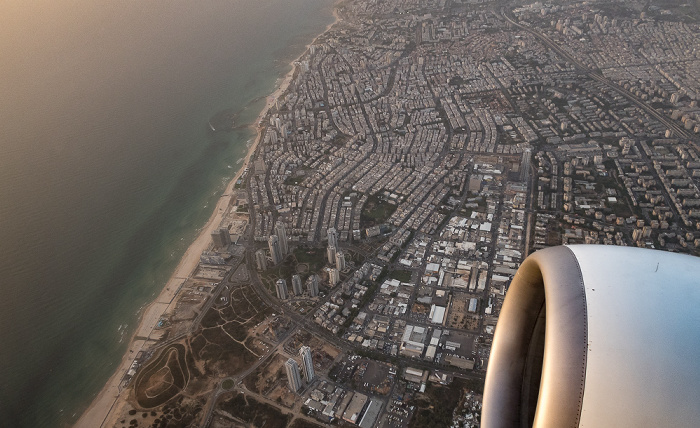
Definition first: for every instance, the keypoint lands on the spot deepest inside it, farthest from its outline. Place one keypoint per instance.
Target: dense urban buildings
(453, 139)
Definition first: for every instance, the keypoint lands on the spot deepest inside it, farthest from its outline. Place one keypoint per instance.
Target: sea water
(107, 169)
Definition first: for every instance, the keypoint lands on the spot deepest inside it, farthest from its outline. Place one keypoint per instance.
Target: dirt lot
(252, 411)
(221, 342)
(263, 379)
(280, 393)
(373, 377)
(458, 316)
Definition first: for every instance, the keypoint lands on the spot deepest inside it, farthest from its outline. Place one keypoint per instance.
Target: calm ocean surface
(107, 169)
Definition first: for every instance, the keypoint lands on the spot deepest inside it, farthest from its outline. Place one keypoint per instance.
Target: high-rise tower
(330, 253)
(275, 251)
(281, 287)
(307, 363)
(296, 285)
(221, 238)
(261, 259)
(293, 376)
(332, 237)
(312, 285)
(340, 260)
(333, 276)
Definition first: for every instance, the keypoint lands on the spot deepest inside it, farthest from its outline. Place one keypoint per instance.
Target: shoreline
(102, 405)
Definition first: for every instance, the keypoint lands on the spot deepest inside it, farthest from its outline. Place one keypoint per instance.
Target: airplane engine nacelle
(597, 336)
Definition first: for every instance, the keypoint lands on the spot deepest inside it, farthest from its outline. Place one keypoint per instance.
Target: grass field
(375, 211)
(401, 275)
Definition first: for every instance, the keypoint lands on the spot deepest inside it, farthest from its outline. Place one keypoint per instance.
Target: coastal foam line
(100, 411)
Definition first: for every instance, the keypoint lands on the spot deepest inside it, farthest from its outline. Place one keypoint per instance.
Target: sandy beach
(97, 414)
(100, 411)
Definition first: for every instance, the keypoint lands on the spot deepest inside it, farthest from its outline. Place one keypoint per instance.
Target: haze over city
(310, 213)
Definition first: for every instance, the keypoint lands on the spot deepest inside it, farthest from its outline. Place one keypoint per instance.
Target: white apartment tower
(330, 253)
(296, 285)
(275, 251)
(312, 285)
(334, 276)
(281, 287)
(307, 362)
(340, 260)
(293, 376)
(332, 237)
